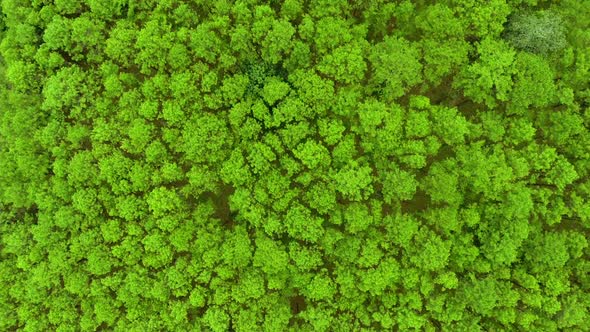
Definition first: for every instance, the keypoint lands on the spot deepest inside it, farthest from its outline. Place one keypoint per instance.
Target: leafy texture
(294, 165)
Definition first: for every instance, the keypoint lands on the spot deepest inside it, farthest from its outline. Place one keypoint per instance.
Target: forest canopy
(296, 165)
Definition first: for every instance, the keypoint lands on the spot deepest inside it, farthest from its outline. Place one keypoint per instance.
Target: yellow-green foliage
(296, 165)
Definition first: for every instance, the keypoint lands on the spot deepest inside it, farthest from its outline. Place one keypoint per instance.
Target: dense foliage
(296, 165)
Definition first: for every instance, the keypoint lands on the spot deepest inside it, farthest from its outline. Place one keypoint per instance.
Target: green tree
(489, 79)
(322, 165)
(396, 66)
(354, 181)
